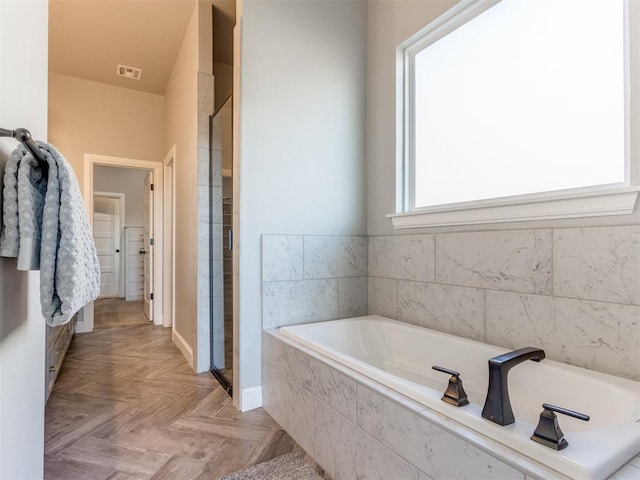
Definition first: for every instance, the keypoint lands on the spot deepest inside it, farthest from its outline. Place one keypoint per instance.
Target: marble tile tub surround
(574, 291)
(356, 428)
(310, 278)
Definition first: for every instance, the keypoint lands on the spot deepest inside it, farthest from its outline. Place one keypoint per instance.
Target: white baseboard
(251, 398)
(183, 346)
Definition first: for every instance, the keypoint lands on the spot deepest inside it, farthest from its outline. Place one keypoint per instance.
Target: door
(148, 246)
(106, 233)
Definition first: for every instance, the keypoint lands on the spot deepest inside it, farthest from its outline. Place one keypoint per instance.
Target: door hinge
(151, 296)
(152, 187)
(151, 242)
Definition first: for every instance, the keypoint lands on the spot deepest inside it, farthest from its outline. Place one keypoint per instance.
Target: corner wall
(181, 130)
(23, 103)
(301, 165)
(188, 104)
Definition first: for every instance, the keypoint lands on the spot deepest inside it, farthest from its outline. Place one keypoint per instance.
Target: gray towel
(46, 226)
(24, 191)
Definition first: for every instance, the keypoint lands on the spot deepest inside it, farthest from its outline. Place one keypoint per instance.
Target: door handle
(142, 252)
(117, 250)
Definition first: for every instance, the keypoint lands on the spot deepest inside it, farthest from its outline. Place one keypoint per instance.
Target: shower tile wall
(574, 292)
(205, 189)
(309, 278)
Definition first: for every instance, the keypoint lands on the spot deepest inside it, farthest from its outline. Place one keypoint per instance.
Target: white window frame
(600, 200)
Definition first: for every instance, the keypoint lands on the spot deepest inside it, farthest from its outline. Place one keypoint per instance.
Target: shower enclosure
(220, 245)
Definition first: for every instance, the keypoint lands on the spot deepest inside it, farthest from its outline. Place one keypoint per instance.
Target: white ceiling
(88, 38)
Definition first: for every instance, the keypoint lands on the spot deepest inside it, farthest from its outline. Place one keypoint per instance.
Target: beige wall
(92, 117)
(181, 113)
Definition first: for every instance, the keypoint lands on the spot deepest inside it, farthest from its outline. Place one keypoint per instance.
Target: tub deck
(400, 357)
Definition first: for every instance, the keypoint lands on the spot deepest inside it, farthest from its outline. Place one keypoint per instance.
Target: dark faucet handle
(548, 432)
(446, 370)
(455, 394)
(566, 411)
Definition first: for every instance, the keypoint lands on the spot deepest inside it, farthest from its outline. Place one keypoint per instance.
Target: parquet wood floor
(128, 406)
(118, 312)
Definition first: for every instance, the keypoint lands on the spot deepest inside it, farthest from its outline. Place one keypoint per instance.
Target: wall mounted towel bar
(24, 136)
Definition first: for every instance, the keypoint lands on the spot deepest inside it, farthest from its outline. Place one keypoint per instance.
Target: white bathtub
(400, 356)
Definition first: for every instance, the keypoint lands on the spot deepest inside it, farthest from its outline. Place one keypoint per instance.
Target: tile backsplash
(574, 292)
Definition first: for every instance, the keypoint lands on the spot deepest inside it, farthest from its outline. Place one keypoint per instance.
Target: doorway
(122, 225)
(139, 284)
(108, 218)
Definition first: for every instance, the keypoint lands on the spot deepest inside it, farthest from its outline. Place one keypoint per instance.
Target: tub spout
(497, 406)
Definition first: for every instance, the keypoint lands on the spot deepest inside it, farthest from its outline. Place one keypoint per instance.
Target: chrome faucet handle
(548, 432)
(455, 394)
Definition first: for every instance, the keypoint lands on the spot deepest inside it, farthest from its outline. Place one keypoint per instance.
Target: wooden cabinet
(58, 340)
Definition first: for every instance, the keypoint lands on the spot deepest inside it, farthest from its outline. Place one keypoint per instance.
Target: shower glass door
(220, 245)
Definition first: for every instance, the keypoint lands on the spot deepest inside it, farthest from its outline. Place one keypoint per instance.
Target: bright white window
(513, 100)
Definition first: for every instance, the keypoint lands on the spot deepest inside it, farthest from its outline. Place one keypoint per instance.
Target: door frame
(121, 211)
(148, 260)
(85, 321)
(169, 205)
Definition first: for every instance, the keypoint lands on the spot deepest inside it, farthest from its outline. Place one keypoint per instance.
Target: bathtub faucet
(497, 406)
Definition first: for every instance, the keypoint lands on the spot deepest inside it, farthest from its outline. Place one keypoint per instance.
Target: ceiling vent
(129, 72)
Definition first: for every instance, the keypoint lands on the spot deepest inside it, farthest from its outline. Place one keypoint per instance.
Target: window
(516, 110)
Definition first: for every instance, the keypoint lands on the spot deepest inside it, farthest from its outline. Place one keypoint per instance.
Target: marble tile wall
(355, 428)
(209, 268)
(573, 291)
(310, 278)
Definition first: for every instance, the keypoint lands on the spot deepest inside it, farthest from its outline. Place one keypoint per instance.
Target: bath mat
(285, 467)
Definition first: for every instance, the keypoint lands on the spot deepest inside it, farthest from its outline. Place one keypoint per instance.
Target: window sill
(618, 201)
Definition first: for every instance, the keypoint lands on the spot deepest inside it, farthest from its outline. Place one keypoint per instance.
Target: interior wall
(301, 166)
(92, 117)
(181, 130)
(23, 103)
(129, 181)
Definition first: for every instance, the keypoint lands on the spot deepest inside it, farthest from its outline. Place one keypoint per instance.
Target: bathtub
(400, 356)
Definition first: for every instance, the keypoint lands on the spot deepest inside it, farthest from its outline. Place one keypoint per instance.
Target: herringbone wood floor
(128, 406)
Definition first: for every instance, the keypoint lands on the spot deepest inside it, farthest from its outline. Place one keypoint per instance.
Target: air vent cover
(129, 72)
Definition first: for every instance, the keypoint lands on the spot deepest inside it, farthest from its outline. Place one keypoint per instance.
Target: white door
(106, 233)
(148, 246)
